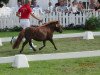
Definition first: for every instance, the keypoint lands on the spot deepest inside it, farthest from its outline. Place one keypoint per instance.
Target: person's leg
(24, 24)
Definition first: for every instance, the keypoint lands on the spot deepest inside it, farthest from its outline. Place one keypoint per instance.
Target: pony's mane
(46, 24)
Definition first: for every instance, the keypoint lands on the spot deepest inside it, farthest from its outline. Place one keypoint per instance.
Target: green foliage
(92, 23)
(16, 28)
(98, 24)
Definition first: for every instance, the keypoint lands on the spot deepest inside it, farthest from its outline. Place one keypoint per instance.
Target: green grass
(10, 34)
(81, 66)
(63, 45)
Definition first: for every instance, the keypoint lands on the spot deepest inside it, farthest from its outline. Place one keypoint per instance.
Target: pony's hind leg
(24, 43)
(43, 45)
(51, 40)
(30, 43)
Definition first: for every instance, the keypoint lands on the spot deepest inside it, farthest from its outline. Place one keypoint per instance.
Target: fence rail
(64, 18)
(53, 56)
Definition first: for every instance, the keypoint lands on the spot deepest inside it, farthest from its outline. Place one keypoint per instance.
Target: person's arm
(18, 14)
(35, 17)
(41, 11)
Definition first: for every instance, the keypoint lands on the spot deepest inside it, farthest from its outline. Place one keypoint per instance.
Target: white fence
(64, 18)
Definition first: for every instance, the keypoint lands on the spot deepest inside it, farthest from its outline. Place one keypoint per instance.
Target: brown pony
(40, 33)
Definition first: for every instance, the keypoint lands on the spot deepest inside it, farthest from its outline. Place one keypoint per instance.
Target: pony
(40, 33)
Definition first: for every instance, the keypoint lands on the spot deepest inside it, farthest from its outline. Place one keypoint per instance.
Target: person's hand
(40, 21)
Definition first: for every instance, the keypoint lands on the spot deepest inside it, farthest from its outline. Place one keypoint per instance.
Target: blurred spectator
(92, 4)
(50, 7)
(97, 6)
(34, 3)
(75, 8)
(69, 6)
(80, 6)
(37, 11)
(75, 1)
(56, 6)
(65, 2)
(62, 7)
(1, 5)
(19, 4)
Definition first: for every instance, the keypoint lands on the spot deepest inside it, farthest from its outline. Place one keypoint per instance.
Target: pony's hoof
(34, 49)
(39, 48)
(56, 49)
(20, 52)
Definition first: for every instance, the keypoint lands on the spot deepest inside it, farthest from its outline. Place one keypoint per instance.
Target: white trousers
(24, 23)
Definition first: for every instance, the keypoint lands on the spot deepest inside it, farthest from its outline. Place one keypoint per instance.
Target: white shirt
(50, 8)
(74, 9)
(37, 11)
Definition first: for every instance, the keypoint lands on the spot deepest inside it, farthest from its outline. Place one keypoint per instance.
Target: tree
(5, 1)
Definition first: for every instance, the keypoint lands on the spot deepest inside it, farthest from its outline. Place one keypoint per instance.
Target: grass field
(9, 34)
(81, 66)
(63, 45)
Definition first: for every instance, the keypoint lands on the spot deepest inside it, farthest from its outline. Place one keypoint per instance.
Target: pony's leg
(51, 40)
(30, 43)
(24, 43)
(43, 45)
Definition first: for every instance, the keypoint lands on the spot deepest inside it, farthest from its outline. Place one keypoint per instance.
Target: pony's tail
(19, 39)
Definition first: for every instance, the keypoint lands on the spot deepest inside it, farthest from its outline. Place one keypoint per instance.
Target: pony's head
(57, 27)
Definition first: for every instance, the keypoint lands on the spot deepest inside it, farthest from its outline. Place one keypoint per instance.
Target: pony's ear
(57, 22)
(57, 25)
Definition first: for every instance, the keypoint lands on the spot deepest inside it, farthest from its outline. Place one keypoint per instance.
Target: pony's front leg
(24, 43)
(30, 43)
(43, 45)
(51, 40)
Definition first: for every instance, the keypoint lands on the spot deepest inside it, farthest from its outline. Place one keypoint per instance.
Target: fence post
(20, 61)
(88, 35)
(0, 42)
